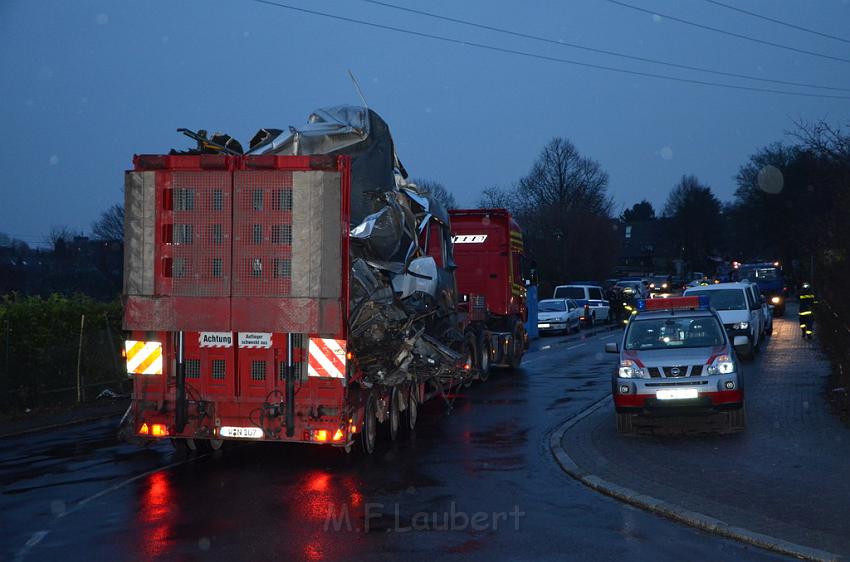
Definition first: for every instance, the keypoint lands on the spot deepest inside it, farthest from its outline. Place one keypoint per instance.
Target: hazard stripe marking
(326, 358)
(144, 358)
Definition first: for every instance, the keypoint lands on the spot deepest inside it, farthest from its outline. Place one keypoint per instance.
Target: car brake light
(338, 435)
(320, 435)
(144, 430)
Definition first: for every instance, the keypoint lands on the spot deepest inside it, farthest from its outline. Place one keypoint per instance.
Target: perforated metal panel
(262, 243)
(258, 370)
(192, 368)
(199, 234)
(219, 369)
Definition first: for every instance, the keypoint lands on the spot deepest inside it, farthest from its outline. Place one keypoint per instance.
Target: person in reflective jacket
(806, 313)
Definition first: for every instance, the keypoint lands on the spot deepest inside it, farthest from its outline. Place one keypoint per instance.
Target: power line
(602, 51)
(729, 33)
(545, 57)
(780, 22)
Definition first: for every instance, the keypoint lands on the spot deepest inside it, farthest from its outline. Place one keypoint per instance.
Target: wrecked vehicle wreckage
(403, 322)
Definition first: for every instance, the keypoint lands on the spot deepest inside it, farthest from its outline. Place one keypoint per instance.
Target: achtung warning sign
(215, 339)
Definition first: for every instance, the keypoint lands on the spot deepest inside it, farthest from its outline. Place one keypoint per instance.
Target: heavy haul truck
(305, 291)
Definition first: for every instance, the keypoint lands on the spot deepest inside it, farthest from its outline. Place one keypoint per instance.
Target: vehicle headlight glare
(775, 300)
(629, 370)
(741, 325)
(722, 365)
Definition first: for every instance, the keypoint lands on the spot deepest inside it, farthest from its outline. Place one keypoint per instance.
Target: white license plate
(241, 432)
(676, 393)
(543, 325)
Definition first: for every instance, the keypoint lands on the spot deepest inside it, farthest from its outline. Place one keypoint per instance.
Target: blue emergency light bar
(674, 303)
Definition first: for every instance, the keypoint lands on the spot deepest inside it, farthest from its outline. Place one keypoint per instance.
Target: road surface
(478, 484)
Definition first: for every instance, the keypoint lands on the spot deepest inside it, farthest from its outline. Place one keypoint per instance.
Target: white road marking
(39, 535)
(609, 336)
(123, 483)
(575, 346)
(36, 538)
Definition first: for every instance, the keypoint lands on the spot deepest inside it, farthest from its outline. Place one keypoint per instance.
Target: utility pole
(80, 360)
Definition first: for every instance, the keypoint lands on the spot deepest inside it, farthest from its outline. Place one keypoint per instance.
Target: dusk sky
(86, 84)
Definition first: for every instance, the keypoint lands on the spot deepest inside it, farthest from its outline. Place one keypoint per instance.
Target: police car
(676, 356)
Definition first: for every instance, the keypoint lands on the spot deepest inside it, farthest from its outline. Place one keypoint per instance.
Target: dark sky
(86, 84)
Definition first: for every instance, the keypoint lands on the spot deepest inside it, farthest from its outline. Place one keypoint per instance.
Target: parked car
(558, 315)
(589, 297)
(632, 288)
(740, 307)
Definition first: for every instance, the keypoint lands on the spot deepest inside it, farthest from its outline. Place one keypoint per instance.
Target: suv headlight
(722, 365)
(629, 370)
(741, 325)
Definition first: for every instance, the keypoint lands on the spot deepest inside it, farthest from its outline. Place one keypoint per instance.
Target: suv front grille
(675, 371)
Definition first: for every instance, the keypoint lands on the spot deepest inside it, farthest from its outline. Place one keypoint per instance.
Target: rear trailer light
(159, 430)
(338, 435)
(154, 430)
(143, 357)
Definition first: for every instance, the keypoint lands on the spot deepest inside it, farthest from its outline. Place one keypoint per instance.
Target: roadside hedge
(39, 340)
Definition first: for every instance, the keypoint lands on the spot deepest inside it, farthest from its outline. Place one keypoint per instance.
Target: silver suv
(676, 356)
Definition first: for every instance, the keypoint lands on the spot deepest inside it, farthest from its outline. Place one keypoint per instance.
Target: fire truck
(251, 316)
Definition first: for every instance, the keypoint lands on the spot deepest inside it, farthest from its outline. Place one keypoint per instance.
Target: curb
(59, 425)
(672, 511)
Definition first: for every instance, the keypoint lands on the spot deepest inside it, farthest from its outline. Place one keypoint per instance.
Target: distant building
(647, 247)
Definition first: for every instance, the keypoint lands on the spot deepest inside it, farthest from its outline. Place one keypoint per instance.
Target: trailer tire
(484, 356)
(368, 433)
(470, 346)
(517, 345)
(412, 407)
(181, 447)
(394, 418)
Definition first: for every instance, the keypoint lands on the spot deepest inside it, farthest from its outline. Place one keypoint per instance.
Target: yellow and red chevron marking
(143, 357)
(327, 358)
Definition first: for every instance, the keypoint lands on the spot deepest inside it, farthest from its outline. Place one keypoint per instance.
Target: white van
(740, 308)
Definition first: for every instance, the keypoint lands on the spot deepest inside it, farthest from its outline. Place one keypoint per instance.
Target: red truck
(239, 284)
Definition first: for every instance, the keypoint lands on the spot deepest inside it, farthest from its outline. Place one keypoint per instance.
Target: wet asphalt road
(76, 494)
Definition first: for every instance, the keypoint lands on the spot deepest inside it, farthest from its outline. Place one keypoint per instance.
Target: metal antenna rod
(357, 87)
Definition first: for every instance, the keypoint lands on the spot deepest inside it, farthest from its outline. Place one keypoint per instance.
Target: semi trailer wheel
(517, 346)
(412, 406)
(470, 346)
(368, 433)
(483, 357)
(394, 421)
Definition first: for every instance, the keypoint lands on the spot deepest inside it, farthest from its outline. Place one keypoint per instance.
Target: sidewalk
(785, 477)
(78, 414)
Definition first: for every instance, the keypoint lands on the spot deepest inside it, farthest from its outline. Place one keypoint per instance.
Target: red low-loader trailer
(237, 302)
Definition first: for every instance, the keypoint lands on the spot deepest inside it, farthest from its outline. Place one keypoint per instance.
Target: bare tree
(497, 198)
(59, 235)
(563, 178)
(110, 225)
(438, 192)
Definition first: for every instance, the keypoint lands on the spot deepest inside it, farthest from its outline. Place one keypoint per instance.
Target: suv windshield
(551, 306)
(569, 293)
(678, 332)
(723, 299)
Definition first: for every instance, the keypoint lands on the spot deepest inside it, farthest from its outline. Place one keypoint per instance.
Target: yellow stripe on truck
(143, 358)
